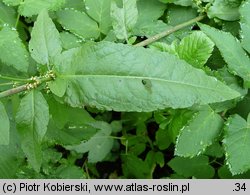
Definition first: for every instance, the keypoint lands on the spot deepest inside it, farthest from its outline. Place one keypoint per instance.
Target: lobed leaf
(124, 19)
(195, 49)
(13, 52)
(199, 133)
(4, 127)
(99, 10)
(237, 144)
(32, 119)
(45, 42)
(124, 78)
(245, 25)
(231, 50)
(29, 8)
(78, 23)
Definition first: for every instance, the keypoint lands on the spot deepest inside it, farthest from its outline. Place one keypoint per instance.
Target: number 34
(240, 187)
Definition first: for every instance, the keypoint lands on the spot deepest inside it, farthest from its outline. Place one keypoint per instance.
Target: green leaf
(97, 146)
(237, 144)
(178, 2)
(4, 127)
(134, 167)
(7, 15)
(13, 51)
(199, 133)
(124, 19)
(195, 49)
(245, 25)
(32, 119)
(70, 40)
(29, 8)
(78, 23)
(163, 139)
(12, 2)
(99, 10)
(45, 42)
(225, 10)
(179, 14)
(197, 167)
(111, 76)
(149, 11)
(231, 50)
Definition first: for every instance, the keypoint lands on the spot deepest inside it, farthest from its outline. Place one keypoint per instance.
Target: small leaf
(124, 19)
(45, 41)
(231, 50)
(110, 76)
(78, 23)
(225, 10)
(197, 167)
(237, 144)
(32, 119)
(29, 8)
(13, 51)
(195, 49)
(97, 146)
(199, 133)
(4, 127)
(245, 25)
(99, 10)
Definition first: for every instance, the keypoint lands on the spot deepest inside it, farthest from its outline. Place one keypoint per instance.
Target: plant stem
(24, 87)
(169, 31)
(13, 91)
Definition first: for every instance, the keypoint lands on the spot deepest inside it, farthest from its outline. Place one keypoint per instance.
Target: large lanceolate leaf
(125, 78)
(195, 49)
(33, 7)
(32, 119)
(237, 144)
(124, 19)
(245, 25)
(4, 127)
(231, 50)
(199, 133)
(13, 51)
(78, 23)
(45, 42)
(97, 146)
(100, 11)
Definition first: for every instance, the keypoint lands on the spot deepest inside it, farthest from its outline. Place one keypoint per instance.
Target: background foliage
(80, 99)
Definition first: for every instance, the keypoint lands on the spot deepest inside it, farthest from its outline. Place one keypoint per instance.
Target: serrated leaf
(4, 127)
(124, 78)
(32, 119)
(7, 15)
(245, 25)
(195, 49)
(29, 8)
(97, 146)
(13, 52)
(99, 10)
(124, 19)
(231, 50)
(225, 10)
(237, 144)
(197, 167)
(45, 42)
(199, 133)
(70, 40)
(78, 23)
(12, 2)
(179, 2)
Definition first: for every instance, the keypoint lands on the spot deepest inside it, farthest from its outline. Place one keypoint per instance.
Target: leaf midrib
(143, 77)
